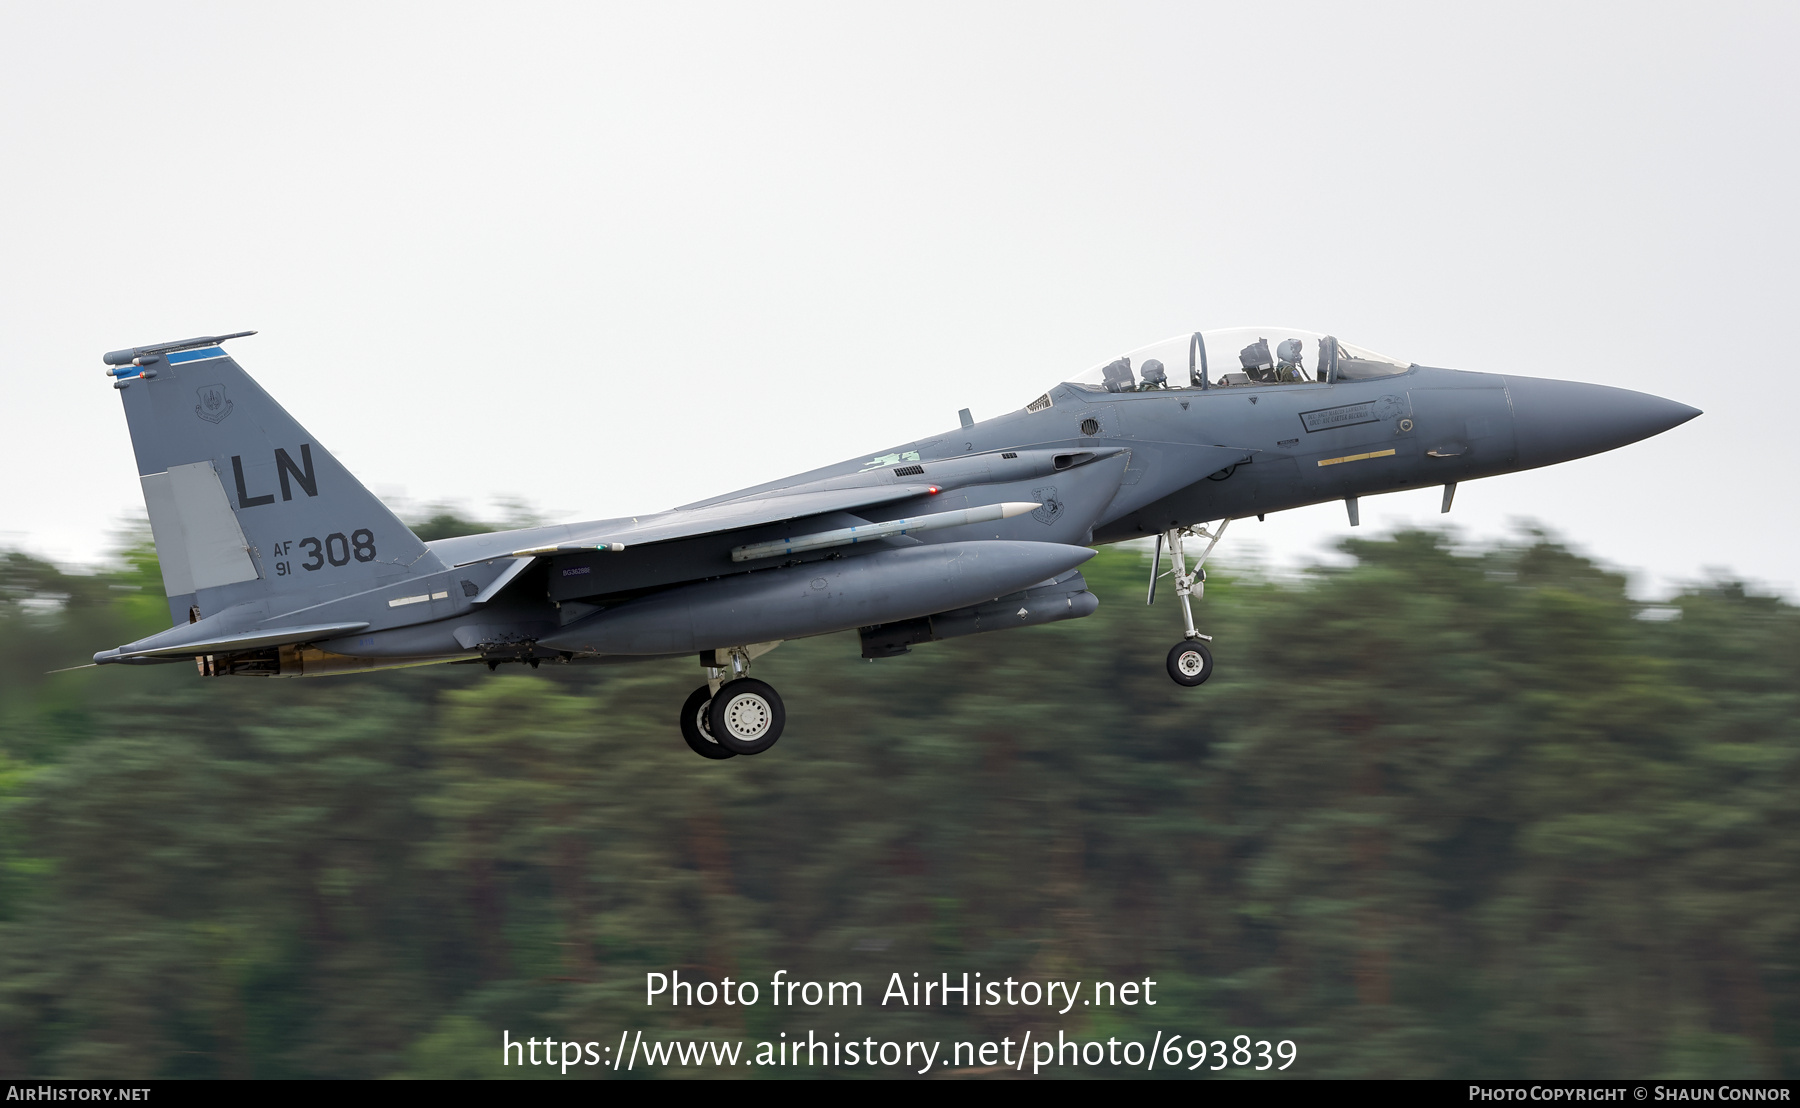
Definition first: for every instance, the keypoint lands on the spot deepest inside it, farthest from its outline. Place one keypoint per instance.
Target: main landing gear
(1190, 662)
(732, 713)
(696, 727)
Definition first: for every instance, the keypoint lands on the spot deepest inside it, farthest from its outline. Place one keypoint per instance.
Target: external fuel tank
(818, 598)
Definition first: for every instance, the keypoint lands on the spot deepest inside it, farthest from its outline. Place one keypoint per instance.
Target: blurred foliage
(448, 521)
(1439, 813)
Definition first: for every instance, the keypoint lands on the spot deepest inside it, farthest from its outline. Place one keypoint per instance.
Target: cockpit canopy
(1237, 357)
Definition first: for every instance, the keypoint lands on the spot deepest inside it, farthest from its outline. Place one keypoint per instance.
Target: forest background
(1442, 812)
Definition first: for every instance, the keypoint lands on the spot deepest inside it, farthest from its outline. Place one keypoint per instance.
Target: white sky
(612, 259)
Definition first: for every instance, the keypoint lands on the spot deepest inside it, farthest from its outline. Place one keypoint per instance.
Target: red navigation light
(932, 489)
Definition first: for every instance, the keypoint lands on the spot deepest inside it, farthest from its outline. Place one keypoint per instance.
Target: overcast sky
(613, 259)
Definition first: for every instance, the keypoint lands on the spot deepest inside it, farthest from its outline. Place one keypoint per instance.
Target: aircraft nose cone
(1555, 421)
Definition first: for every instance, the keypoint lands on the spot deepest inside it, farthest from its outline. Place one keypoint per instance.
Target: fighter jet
(278, 563)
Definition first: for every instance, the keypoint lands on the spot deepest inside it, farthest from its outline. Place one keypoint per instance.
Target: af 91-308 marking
(335, 550)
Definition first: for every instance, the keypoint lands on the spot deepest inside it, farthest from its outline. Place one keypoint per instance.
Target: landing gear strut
(732, 713)
(1190, 662)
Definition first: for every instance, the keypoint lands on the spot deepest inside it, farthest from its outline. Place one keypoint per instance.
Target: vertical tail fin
(245, 506)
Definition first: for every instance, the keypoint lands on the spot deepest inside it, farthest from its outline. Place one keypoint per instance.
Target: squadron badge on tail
(213, 406)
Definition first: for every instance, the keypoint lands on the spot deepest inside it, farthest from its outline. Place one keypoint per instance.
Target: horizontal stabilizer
(506, 578)
(168, 645)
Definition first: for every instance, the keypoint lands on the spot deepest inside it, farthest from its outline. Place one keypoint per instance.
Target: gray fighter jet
(278, 563)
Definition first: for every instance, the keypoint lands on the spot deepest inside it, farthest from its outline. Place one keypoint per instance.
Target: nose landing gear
(1190, 662)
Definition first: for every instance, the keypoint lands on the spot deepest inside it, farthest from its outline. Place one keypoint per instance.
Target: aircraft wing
(174, 644)
(680, 523)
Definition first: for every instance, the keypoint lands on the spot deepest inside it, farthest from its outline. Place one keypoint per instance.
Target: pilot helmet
(1152, 372)
(1289, 351)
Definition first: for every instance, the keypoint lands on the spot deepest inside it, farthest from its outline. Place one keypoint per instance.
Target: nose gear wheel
(1190, 663)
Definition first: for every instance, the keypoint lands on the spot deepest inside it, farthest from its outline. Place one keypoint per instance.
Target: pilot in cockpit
(1290, 368)
(1155, 377)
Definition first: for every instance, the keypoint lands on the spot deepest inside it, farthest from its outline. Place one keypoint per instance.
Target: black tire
(746, 717)
(1190, 663)
(694, 726)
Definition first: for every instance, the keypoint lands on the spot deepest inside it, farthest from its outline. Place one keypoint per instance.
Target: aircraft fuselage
(284, 565)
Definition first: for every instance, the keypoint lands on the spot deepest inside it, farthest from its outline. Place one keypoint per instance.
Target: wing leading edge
(679, 523)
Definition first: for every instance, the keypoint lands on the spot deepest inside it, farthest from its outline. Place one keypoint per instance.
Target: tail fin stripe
(205, 354)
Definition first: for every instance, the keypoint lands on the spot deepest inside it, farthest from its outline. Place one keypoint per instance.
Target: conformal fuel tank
(819, 597)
